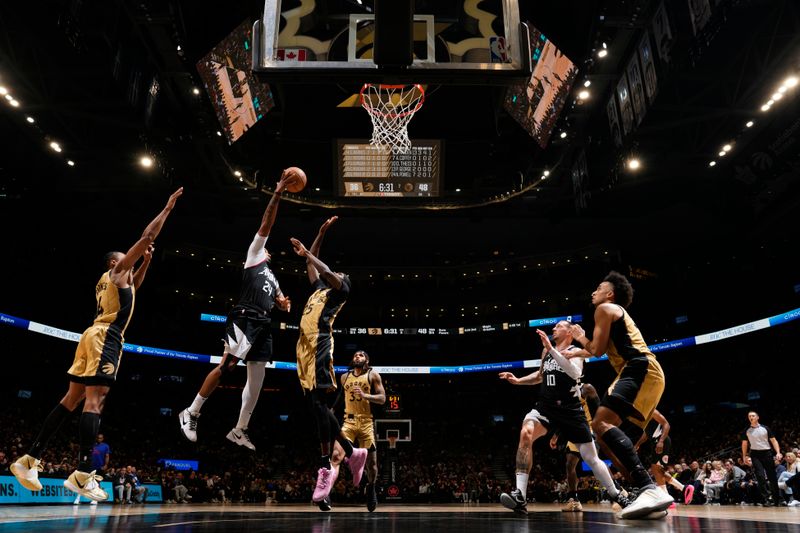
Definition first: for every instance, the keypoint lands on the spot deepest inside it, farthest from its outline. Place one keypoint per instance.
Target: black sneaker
(623, 499)
(514, 501)
(325, 505)
(372, 497)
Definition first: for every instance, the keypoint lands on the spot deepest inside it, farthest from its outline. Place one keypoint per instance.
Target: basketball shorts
(98, 356)
(636, 391)
(247, 335)
(315, 361)
(569, 422)
(572, 448)
(360, 429)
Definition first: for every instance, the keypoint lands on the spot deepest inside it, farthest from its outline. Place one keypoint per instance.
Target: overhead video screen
(239, 99)
(537, 104)
(365, 170)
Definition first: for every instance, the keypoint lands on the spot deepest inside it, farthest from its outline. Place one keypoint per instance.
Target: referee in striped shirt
(762, 444)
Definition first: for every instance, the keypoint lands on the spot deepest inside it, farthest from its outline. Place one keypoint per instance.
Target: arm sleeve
(569, 368)
(256, 253)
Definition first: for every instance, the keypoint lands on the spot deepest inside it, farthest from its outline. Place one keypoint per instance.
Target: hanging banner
(699, 14)
(637, 91)
(662, 34)
(613, 120)
(648, 67)
(625, 105)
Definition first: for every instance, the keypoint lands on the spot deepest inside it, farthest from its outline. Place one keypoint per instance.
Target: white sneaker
(77, 500)
(794, 503)
(189, 424)
(86, 484)
(26, 469)
(648, 501)
(239, 436)
(92, 502)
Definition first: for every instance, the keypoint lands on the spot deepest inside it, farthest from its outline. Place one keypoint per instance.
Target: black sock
(575, 496)
(346, 445)
(89, 427)
(49, 428)
(621, 446)
(325, 462)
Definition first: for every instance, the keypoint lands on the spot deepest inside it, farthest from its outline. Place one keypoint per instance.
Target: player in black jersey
(97, 359)
(653, 447)
(635, 392)
(315, 363)
(247, 331)
(559, 409)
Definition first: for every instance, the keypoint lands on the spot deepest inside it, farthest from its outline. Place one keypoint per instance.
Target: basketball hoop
(391, 108)
(392, 442)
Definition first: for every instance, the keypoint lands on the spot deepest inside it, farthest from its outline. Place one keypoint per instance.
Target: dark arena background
(558, 140)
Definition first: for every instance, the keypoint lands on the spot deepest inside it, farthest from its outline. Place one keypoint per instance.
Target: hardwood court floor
(155, 518)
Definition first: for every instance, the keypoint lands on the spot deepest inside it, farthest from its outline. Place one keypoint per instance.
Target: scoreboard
(366, 170)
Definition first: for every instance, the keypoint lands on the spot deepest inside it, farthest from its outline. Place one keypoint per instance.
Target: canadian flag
(291, 54)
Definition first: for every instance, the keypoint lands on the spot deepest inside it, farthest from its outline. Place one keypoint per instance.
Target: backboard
(397, 428)
(454, 42)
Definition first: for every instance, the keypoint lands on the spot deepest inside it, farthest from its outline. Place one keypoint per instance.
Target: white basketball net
(391, 108)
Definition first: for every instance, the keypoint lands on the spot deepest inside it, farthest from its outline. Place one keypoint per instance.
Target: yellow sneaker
(26, 469)
(572, 506)
(86, 485)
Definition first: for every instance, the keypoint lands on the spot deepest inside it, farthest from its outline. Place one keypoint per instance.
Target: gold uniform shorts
(98, 356)
(359, 428)
(637, 390)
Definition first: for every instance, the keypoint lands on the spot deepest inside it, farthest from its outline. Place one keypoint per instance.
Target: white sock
(522, 484)
(599, 469)
(197, 404)
(252, 389)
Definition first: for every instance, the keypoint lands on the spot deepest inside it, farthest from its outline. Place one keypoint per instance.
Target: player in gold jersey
(315, 363)
(96, 362)
(633, 394)
(362, 386)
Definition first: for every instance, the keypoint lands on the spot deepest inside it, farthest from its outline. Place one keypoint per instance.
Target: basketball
(297, 179)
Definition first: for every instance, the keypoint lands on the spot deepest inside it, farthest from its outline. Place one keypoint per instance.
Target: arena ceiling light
(70, 162)
(583, 95)
(30, 119)
(195, 91)
(634, 163)
(587, 83)
(602, 53)
(765, 108)
(790, 82)
(712, 163)
(237, 173)
(563, 135)
(3, 90)
(146, 161)
(726, 148)
(55, 146)
(749, 124)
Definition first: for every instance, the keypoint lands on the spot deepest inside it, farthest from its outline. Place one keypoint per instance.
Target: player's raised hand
(148, 254)
(545, 340)
(327, 224)
(282, 182)
(174, 198)
(298, 246)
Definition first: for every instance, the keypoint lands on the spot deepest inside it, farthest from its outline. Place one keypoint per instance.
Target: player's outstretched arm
(313, 275)
(333, 279)
(148, 236)
(271, 211)
(139, 273)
